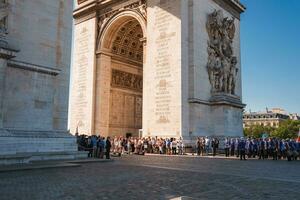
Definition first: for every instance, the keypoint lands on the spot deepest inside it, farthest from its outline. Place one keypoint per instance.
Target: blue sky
(270, 41)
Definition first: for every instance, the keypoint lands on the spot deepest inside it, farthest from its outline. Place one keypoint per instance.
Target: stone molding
(221, 99)
(234, 7)
(7, 53)
(32, 67)
(103, 19)
(34, 134)
(81, 1)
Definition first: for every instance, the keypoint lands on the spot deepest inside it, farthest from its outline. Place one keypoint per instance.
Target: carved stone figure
(221, 65)
(127, 80)
(3, 15)
(143, 8)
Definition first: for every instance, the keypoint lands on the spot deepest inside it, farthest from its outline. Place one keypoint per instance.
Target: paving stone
(154, 177)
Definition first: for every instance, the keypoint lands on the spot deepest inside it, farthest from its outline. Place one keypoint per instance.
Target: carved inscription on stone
(221, 64)
(138, 111)
(126, 80)
(163, 75)
(82, 72)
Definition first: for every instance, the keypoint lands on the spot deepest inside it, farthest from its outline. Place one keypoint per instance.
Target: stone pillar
(83, 76)
(5, 55)
(162, 114)
(3, 64)
(102, 94)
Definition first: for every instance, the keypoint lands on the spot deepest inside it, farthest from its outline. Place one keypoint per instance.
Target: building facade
(270, 118)
(167, 68)
(35, 54)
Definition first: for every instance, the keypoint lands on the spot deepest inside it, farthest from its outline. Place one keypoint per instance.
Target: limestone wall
(37, 79)
(83, 77)
(177, 97)
(162, 109)
(200, 12)
(34, 82)
(204, 118)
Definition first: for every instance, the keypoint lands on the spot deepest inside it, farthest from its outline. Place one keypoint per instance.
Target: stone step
(23, 158)
(22, 167)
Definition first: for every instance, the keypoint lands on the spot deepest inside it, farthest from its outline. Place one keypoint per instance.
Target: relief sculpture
(221, 64)
(4, 8)
(126, 80)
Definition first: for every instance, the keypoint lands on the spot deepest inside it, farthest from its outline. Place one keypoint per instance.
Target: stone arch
(112, 25)
(113, 70)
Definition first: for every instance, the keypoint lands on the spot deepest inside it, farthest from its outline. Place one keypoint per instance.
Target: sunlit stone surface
(187, 89)
(35, 51)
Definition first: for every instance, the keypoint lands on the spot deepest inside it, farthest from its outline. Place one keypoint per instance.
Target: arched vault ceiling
(127, 41)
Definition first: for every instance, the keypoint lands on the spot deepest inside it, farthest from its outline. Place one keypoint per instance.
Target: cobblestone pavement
(157, 177)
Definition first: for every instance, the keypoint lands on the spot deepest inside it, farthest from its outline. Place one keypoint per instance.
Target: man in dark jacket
(107, 147)
(242, 148)
(215, 145)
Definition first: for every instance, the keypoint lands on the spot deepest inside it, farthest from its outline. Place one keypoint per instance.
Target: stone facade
(270, 118)
(35, 51)
(187, 47)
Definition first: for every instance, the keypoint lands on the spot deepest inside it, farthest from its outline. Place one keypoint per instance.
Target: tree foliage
(256, 131)
(286, 129)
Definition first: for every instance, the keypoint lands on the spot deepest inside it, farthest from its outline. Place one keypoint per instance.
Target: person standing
(107, 147)
(231, 147)
(236, 147)
(215, 145)
(202, 147)
(174, 152)
(94, 145)
(262, 149)
(198, 146)
(207, 143)
(276, 149)
(180, 146)
(242, 148)
(255, 148)
(227, 146)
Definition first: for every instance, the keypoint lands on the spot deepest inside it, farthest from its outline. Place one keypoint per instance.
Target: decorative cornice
(239, 5)
(7, 53)
(232, 6)
(81, 1)
(32, 67)
(85, 9)
(221, 99)
(89, 6)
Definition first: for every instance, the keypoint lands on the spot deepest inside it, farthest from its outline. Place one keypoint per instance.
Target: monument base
(227, 111)
(220, 117)
(18, 147)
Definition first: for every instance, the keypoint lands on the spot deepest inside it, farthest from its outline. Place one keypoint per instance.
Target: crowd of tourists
(266, 148)
(96, 145)
(262, 148)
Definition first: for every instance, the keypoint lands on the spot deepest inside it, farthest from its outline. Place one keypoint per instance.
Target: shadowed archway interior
(123, 89)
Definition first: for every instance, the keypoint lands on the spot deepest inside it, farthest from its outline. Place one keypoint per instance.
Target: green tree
(287, 129)
(256, 131)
